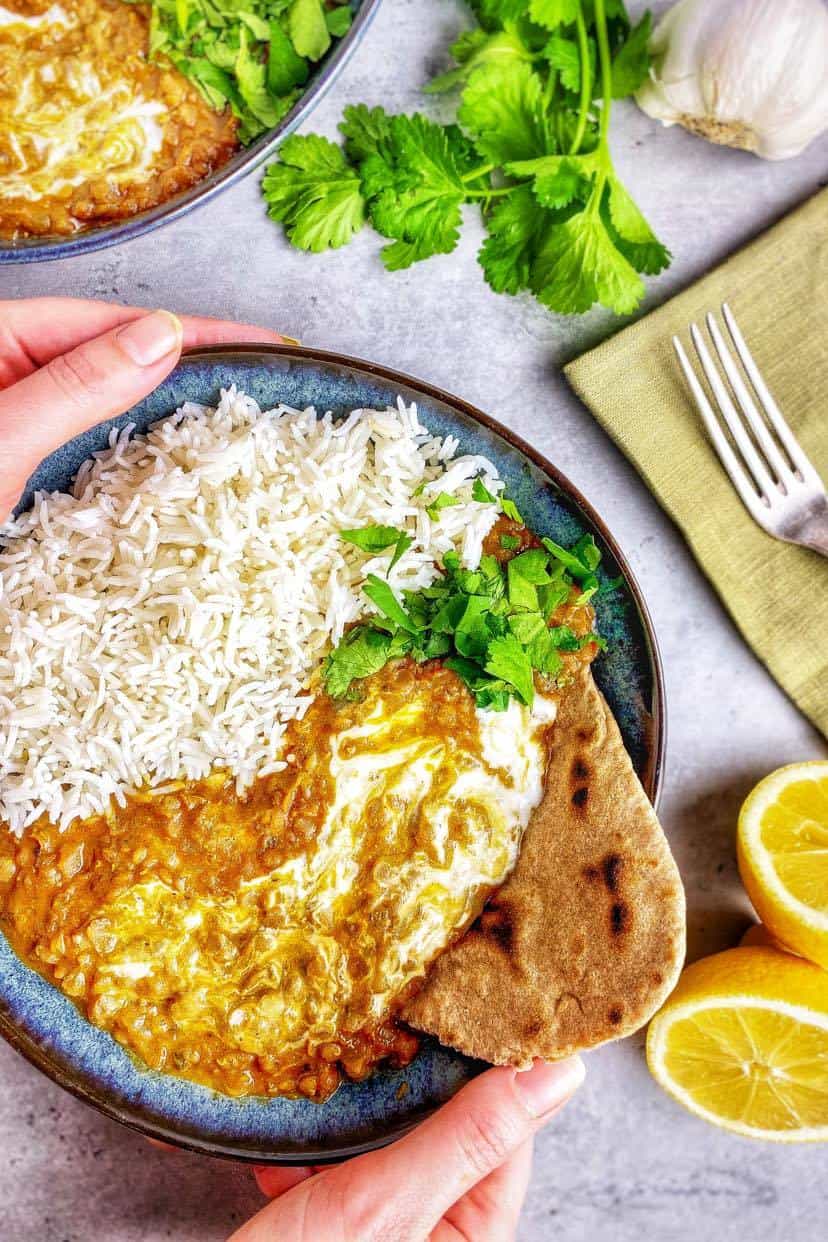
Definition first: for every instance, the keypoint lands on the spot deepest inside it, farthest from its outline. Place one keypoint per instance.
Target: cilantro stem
(501, 190)
(586, 83)
(482, 171)
(606, 70)
(549, 89)
(605, 60)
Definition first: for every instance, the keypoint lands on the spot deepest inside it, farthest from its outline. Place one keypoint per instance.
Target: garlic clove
(744, 73)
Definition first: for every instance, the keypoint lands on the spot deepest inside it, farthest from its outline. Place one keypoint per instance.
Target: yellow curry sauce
(244, 942)
(90, 130)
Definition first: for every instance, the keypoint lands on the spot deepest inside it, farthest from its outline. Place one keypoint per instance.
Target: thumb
(98, 380)
(423, 1175)
(403, 1191)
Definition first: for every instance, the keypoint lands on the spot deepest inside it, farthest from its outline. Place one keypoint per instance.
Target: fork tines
(771, 473)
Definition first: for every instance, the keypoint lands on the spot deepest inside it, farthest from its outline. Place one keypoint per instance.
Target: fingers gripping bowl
(48, 1028)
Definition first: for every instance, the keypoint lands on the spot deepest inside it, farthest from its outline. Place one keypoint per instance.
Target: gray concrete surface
(623, 1162)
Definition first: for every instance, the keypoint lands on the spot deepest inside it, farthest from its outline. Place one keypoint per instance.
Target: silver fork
(777, 483)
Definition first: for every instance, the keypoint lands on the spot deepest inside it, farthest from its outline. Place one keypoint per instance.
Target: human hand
(461, 1176)
(66, 364)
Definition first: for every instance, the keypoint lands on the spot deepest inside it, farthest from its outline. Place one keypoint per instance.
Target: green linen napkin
(778, 289)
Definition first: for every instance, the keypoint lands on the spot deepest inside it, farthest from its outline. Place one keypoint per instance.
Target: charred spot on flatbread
(496, 923)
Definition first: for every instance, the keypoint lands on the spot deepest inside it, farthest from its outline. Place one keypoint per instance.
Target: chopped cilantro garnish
(481, 493)
(507, 660)
(490, 624)
(252, 57)
(509, 543)
(372, 538)
(510, 510)
(380, 593)
(402, 545)
(361, 652)
(443, 501)
(581, 560)
(377, 539)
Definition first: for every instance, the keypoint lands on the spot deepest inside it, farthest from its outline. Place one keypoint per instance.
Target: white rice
(166, 617)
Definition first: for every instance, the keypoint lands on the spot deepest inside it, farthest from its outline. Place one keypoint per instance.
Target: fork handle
(814, 532)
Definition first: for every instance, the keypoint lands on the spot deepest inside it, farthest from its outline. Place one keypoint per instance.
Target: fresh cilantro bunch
(490, 625)
(251, 55)
(536, 81)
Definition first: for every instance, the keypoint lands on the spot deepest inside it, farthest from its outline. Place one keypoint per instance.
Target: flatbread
(586, 937)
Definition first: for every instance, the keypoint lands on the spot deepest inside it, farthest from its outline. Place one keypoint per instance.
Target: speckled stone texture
(622, 1162)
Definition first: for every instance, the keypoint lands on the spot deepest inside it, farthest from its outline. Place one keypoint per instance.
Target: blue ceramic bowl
(46, 1027)
(37, 249)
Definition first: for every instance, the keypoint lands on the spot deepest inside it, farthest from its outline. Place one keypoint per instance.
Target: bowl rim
(652, 779)
(243, 162)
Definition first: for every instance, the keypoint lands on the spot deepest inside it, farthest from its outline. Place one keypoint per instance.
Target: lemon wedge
(783, 856)
(743, 1043)
(758, 935)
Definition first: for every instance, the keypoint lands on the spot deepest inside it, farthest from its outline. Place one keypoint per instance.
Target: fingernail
(151, 338)
(547, 1085)
(289, 340)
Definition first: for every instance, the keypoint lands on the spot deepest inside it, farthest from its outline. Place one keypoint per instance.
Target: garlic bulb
(746, 73)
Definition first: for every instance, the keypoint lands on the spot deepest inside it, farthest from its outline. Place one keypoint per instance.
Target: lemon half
(783, 856)
(743, 1043)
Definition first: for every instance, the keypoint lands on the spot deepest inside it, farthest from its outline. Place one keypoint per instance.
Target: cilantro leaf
(526, 626)
(251, 73)
(258, 27)
(509, 542)
(477, 48)
(443, 501)
(361, 652)
(631, 233)
(481, 493)
(372, 538)
(308, 29)
(502, 108)
(631, 65)
(286, 69)
(587, 552)
(339, 20)
(490, 625)
(367, 132)
(417, 193)
(472, 634)
(507, 660)
(532, 565)
(565, 638)
(516, 228)
(554, 13)
(383, 597)
(581, 561)
(563, 55)
(522, 592)
(490, 694)
(404, 542)
(543, 655)
(552, 596)
(494, 13)
(558, 179)
(578, 265)
(314, 193)
(510, 510)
